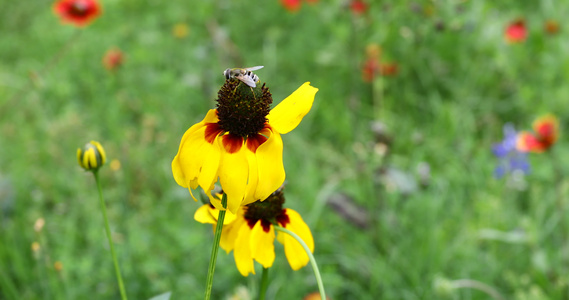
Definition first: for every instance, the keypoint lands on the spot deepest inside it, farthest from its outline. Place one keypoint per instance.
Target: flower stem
(215, 248)
(108, 229)
(264, 284)
(310, 256)
(559, 202)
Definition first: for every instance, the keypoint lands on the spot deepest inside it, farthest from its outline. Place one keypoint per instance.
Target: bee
(244, 74)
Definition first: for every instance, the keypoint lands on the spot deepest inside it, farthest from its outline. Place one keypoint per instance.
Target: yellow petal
(253, 179)
(281, 237)
(233, 174)
(188, 163)
(203, 215)
(90, 159)
(270, 166)
(295, 254)
(209, 171)
(193, 152)
(227, 242)
(229, 216)
(263, 245)
(230, 232)
(288, 114)
(193, 186)
(215, 200)
(101, 152)
(242, 251)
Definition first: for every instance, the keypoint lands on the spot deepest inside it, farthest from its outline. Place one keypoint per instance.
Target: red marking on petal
(251, 223)
(253, 142)
(232, 143)
(283, 218)
(266, 225)
(212, 130)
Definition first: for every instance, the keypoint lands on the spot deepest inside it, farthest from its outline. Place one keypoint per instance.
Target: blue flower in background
(510, 159)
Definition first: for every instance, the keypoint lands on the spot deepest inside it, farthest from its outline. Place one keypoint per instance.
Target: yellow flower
(58, 266)
(180, 30)
(207, 214)
(38, 225)
(251, 234)
(240, 143)
(92, 156)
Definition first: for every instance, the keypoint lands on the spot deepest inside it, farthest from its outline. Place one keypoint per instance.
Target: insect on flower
(244, 74)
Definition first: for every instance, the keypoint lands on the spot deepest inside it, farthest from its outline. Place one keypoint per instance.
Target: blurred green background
(399, 209)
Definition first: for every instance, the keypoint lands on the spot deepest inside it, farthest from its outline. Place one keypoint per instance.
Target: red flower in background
(291, 5)
(77, 12)
(369, 69)
(113, 59)
(358, 7)
(389, 69)
(546, 132)
(551, 27)
(516, 32)
(373, 65)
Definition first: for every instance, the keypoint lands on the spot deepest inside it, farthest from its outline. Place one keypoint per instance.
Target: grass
(454, 91)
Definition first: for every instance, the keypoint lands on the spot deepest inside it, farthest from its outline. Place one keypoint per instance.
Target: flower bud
(38, 225)
(92, 156)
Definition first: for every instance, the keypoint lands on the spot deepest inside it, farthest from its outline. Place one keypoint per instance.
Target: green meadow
(394, 177)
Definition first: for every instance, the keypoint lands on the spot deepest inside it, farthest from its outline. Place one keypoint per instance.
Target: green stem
(215, 248)
(378, 86)
(108, 229)
(310, 256)
(264, 284)
(559, 202)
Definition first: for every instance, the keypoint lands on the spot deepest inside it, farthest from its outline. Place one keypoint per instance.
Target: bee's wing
(254, 68)
(246, 79)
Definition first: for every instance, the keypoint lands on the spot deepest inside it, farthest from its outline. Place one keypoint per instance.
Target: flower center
(270, 211)
(241, 109)
(79, 8)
